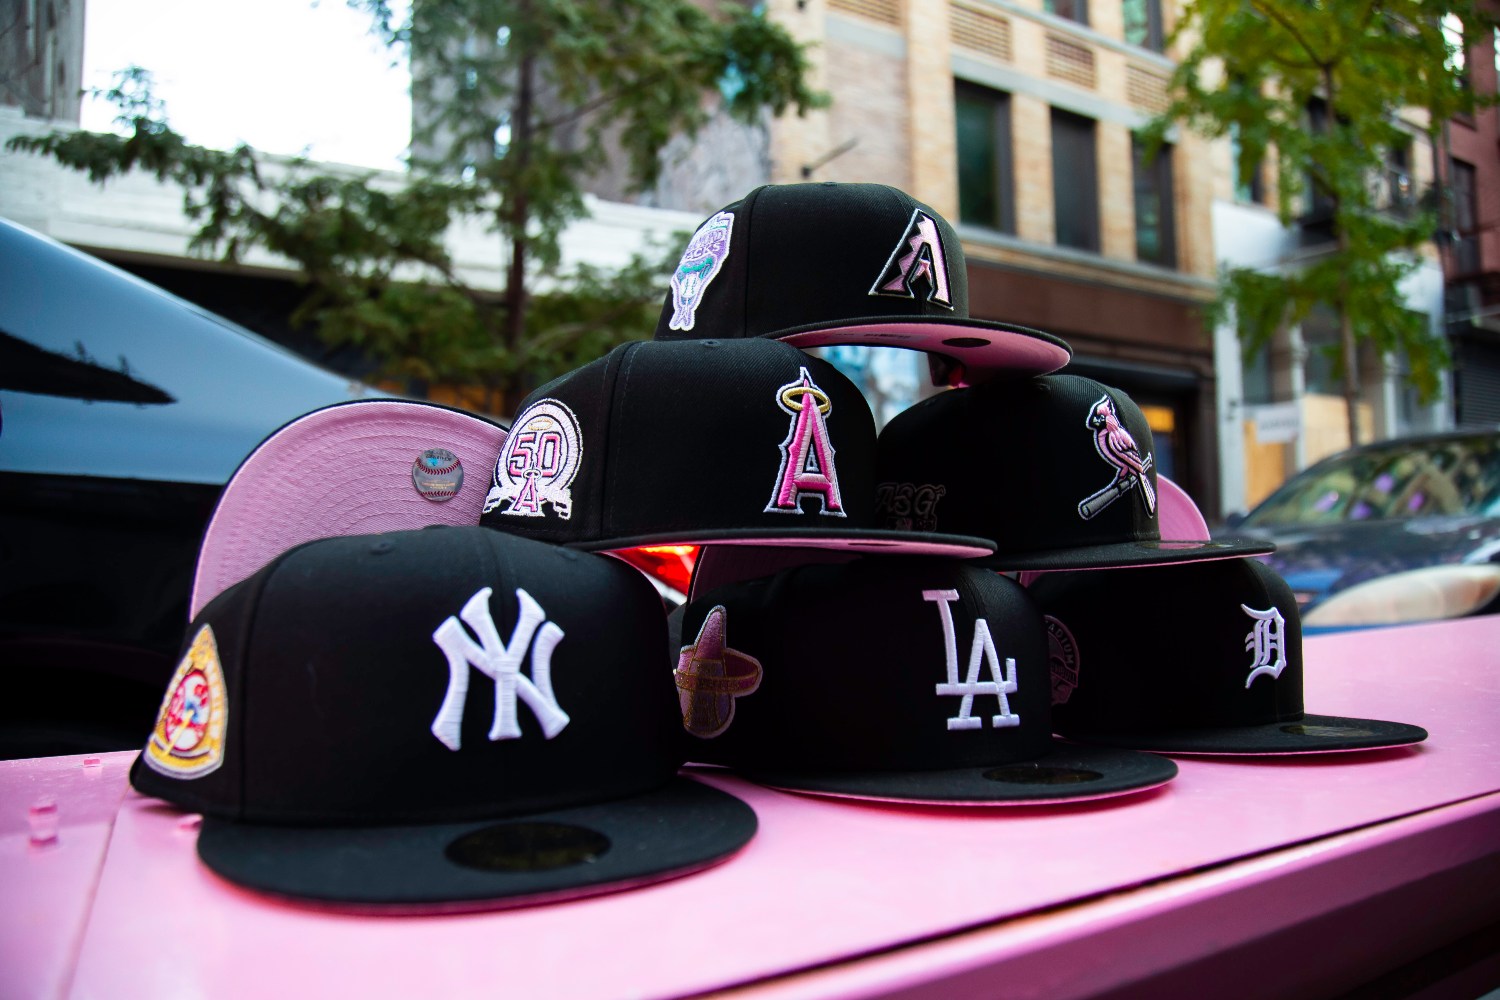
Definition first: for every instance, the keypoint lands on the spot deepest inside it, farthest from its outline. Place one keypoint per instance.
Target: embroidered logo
(1118, 448)
(710, 676)
(1062, 659)
(1000, 684)
(1267, 640)
(501, 663)
(188, 739)
(704, 256)
(907, 506)
(538, 463)
(807, 467)
(918, 258)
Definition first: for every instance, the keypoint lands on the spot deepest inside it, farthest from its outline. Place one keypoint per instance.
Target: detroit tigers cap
(694, 441)
(352, 468)
(1202, 658)
(445, 719)
(840, 263)
(1058, 470)
(909, 680)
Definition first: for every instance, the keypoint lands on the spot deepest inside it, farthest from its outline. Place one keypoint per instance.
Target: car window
(1449, 477)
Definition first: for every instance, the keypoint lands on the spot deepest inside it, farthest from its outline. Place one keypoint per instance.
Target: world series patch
(537, 466)
(701, 261)
(188, 739)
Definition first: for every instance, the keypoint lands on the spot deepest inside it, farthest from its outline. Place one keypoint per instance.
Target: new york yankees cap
(1058, 470)
(840, 263)
(1202, 658)
(445, 719)
(695, 441)
(352, 468)
(899, 679)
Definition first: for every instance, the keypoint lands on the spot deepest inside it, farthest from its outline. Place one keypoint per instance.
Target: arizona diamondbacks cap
(444, 719)
(1203, 658)
(352, 468)
(1058, 470)
(946, 699)
(694, 441)
(836, 263)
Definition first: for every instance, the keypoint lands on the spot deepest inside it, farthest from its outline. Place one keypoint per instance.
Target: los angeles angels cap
(1058, 470)
(353, 468)
(908, 680)
(695, 441)
(837, 263)
(1202, 658)
(445, 719)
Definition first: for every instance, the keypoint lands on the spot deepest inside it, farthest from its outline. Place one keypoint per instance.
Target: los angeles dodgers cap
(1202, 658)
(352, 468)
(695, 441)
(840, 263)
(907, 680)
(1058, 470)
(445, 719)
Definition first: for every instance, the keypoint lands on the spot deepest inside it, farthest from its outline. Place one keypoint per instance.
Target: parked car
(1398, 531)
(123, 410)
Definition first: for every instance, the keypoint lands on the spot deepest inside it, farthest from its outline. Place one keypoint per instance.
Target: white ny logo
(501, 662)
(1266, 638)
(1000, 684)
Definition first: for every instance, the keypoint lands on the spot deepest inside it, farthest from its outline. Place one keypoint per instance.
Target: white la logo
(501, 662)
(1000, 683)
(1267, 638)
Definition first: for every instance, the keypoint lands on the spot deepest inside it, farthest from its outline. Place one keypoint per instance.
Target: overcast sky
(282, 75)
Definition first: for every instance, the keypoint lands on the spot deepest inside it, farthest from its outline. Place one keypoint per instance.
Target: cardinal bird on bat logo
(1118, 448)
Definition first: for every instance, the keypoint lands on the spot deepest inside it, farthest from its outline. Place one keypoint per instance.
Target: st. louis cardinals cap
(837, 263)
(909, 680)
(445, 719)
(695, 441)
(1203, 658)
(352, 468)
(1058, 470)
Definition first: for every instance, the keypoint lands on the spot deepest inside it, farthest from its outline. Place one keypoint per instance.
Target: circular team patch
(1062, 657)
(188, 739)
(538, 463)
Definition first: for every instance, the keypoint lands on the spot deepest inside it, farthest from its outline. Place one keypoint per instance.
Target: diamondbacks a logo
(918, 259)
(704, 256)
(188, 739)
(710, 676)
(908, 506)
(1062, 660)
(538, 463)
(1266, 641)
(1116, 446)
(807, 467)
(1000, 684)
(501, 663)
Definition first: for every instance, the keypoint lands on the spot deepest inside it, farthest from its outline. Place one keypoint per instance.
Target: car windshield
(1438, 478)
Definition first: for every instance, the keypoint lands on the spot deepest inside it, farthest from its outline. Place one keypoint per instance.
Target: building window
(1155, 240)
(1075, 181)
(1073, 10)
(985, 185)
(1465, 209)
(1143, 25)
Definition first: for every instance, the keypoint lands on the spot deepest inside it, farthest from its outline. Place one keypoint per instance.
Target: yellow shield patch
(188, 740)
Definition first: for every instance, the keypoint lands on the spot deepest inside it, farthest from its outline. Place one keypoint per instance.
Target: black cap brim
(984, 349)
(682, 827)
(1123, 555)
(1070, 773)
(868, 541)
(1304, 735)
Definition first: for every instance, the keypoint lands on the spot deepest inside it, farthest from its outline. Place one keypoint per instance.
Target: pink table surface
(1230, 851)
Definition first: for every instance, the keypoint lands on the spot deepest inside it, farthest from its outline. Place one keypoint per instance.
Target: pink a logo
(917, 258)
(807, 467)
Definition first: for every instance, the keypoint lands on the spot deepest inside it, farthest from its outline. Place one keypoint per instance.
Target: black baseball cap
(353, 468)
(444, 719)
(1058, 470)
(695, 441)
(898, 679)
(838, 263)
(1202, 658)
